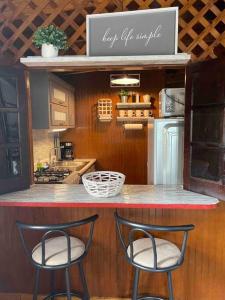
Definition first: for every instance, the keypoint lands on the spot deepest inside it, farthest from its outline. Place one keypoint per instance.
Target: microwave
(171, 102)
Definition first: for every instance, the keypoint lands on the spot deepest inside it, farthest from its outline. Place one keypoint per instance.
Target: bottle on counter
(39, 165)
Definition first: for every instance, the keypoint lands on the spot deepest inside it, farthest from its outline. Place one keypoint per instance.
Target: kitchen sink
(74, 165)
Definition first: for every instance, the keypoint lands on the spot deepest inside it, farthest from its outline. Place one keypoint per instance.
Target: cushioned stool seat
(61, 252)
(167, 253)
(56, 251)
(168, 256)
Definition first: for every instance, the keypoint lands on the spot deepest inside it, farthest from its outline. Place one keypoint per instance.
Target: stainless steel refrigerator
(165, 151)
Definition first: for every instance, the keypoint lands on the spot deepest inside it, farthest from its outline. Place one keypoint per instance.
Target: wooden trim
(107, 205)
(180, 60)
(30, 133)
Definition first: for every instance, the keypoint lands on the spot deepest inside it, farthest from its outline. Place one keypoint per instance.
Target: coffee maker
(66, 150)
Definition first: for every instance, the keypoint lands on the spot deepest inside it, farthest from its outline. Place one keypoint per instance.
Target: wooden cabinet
(204, 167)
(59, 94)
(59, 115)
(14, 131)
(53, 104)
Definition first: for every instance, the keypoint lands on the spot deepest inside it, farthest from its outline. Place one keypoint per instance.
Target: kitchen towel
(133, 126)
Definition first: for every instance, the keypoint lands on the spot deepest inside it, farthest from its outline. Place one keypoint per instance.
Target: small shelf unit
(133, 119)
(130, 105)
(81, 62)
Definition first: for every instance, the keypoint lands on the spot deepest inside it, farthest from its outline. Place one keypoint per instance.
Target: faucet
(52, 156)
(55, 152)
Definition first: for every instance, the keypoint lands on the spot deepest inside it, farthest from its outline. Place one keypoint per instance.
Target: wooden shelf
(133, 119)
(83, 61)
(131, 105)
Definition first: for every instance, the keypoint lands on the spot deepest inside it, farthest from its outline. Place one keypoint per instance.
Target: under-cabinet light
(58, 129)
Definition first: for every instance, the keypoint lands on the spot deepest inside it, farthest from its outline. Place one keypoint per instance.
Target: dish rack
(105, 110)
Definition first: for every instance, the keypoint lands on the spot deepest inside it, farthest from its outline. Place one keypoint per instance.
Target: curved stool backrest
(59, 230)
(147, 231)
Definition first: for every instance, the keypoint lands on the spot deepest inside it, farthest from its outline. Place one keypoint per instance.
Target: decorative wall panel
(201, 23)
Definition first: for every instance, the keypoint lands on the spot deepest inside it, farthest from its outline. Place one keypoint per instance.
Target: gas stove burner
(51, 175)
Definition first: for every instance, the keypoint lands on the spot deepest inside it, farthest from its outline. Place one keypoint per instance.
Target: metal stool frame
(146, 229)
(59, 229)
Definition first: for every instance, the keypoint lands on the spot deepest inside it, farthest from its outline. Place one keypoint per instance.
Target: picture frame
(133, 33)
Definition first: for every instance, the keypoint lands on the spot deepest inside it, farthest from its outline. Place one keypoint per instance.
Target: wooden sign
(143, 32)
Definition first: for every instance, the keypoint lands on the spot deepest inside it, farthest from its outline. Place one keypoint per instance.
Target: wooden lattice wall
(201, 23)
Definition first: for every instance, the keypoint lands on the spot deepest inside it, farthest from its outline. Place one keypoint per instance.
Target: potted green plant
(124, 94)
(50, 39)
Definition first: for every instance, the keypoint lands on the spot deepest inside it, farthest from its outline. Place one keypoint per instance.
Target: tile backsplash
(43, 142)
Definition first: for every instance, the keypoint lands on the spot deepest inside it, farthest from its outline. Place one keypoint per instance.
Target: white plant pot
(124, 99)
(48, 50)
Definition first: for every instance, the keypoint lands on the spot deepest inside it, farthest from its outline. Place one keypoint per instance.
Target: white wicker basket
(103, 183)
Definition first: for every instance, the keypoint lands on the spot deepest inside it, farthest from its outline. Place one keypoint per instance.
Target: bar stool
(58, 250)
(151, 254)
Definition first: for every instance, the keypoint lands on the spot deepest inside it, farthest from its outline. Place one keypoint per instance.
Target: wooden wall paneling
(201, 23)
(108, 273)
(114, 148)
(174, 78)
(10, 296)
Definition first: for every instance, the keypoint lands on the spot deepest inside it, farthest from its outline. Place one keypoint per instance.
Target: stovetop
(51, 175)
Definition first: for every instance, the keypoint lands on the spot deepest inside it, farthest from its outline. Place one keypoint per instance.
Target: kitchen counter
(132, 196)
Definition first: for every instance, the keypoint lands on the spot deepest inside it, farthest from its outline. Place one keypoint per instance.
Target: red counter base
(106, 205)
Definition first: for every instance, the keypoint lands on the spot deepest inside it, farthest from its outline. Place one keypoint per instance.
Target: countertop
(132, 196)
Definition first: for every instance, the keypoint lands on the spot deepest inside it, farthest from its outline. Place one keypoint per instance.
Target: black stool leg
(135, 284)
(67, 276)
(52, 284)
(84, 282)
(36, 284)
(170, 286)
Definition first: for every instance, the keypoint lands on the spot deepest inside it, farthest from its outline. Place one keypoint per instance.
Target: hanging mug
(130, 113)
(146, 98)
(138, 113)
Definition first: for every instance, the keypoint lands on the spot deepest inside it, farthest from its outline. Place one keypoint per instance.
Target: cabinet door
(204, 155)
(14, 142)
(59, 115)
(58, 94)
(71, 109)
